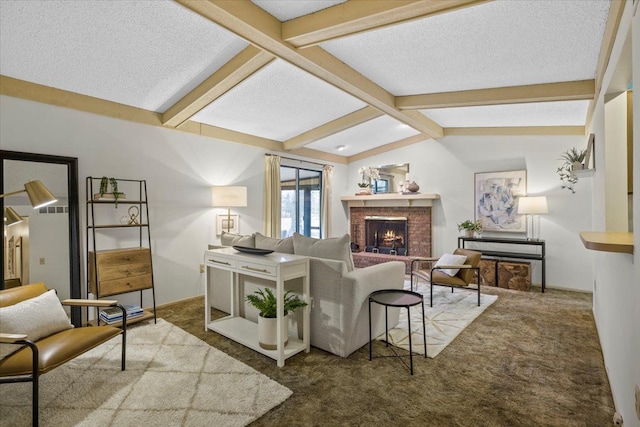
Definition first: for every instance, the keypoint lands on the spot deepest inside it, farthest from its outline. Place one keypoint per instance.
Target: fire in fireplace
(386, 235)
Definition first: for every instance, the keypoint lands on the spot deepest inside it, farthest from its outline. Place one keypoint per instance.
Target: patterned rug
(172, 378)
(450, 314)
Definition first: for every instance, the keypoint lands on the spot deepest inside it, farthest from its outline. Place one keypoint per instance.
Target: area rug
(172, 379)
(450, 314)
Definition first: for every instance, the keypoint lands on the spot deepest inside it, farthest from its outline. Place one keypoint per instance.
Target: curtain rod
(297, 160)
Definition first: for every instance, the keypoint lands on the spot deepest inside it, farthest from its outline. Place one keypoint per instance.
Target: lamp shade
(11, 217)
(532, 205)
(38, 194)
(229, 196)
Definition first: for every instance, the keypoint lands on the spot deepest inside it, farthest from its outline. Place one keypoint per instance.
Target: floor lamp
(11, 217)
(38, 194)
(229, 197)
(533, 207)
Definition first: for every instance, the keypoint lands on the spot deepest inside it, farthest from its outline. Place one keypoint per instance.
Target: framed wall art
(496, 200)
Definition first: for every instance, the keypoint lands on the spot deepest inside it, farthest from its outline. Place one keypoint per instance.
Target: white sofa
(339, 292)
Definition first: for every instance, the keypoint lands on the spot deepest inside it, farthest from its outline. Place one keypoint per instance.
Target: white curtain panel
(325, 204)
(272, 196)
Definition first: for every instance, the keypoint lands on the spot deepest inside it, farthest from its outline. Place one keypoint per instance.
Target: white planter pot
(267, 332)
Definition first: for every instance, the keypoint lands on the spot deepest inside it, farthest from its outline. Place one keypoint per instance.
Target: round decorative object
(413, 187)
(267, 332)
(134, 212)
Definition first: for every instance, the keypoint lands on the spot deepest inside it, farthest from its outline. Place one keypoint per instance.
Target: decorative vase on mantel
(413, 187)
(365, 189)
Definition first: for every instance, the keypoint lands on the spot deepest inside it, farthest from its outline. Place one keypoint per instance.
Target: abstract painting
(496, 200)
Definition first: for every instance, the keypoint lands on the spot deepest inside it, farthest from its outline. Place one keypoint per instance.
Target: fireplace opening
(386, 235)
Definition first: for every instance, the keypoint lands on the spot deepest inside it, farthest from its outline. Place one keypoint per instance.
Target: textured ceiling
(496, 44)
(146, 54)
(286, 10)
(279, 102)
(564, 113)
(152, 54)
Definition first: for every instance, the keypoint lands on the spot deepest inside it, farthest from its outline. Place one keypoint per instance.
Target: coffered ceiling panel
(285, 10)
(565, 113)
(278, 102)
(495, 44)
(146, 54)
(366, 136)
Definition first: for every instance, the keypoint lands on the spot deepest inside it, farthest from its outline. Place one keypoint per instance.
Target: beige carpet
(172, 379)
(450, 314)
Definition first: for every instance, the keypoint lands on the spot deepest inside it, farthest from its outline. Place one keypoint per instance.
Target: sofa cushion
(337, 248)
(231, 239)
(37, 317)
(284, 246)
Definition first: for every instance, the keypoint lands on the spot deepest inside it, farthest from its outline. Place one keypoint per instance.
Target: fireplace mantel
(390, 200)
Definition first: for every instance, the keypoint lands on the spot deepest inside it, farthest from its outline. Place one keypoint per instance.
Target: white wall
(617, 276)
(447, 167)
(179, 168)
(615, 150)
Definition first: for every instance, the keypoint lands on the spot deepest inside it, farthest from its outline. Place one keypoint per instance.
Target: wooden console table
(510, 254)
(276, 267)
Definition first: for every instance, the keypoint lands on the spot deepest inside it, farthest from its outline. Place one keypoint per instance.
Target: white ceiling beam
(264, 31)
(546, 92)
(243, 65)
(388, 147)
(357, 117)
(356, 16)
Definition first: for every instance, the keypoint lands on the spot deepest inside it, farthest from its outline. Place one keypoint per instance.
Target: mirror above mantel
(390, 177)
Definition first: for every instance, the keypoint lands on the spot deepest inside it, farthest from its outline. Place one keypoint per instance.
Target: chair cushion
(36, 317)
(473, 259)
(231, 239)
(337, 248)
(439, 278)
(284, 246)
(450, 259)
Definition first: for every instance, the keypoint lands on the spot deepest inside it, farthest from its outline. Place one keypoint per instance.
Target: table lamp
(533, 207)
(229, 197)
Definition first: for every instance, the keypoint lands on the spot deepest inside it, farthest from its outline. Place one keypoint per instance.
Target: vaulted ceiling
(329, 79)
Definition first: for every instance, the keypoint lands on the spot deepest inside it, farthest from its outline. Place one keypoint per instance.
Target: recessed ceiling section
(366, 136)
(564, 113)
(494, 44)
(278, 102)
(285, 10)
(146, 54)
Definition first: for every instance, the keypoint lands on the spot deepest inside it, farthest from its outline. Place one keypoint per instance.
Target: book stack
(114, 314)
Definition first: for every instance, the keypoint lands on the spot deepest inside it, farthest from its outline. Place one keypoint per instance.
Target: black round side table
(397, 298)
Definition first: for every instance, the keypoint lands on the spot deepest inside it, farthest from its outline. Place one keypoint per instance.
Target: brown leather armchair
(43, 355)
(424, 268)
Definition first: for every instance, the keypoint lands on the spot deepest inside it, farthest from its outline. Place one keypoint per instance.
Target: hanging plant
(573, 159)
(104, 189)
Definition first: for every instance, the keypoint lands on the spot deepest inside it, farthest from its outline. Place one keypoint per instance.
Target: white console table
(277, 267)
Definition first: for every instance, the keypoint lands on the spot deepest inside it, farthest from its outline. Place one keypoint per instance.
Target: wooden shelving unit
(115, 271)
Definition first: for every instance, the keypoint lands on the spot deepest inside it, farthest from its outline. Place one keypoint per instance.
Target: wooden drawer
(119, 286)
(119, 271)
(123, 256)
(257, 269)
(221, 262)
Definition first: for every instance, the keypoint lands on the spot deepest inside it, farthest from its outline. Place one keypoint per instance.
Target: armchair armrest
(419, 261)
(460, 267)
(12, 338)
(90, 302)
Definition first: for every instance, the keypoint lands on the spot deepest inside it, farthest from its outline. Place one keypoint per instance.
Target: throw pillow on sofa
(338, 248)
(284, 246)
(231, 239)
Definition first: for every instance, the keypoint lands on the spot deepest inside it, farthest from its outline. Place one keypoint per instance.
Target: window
(300, 201)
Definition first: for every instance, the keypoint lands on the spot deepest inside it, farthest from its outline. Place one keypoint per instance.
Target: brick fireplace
(416, 208)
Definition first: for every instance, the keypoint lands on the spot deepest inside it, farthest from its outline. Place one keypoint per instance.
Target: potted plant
(368, 174)
(573, 159)
(469, 227)
(266, 303)
(106, 194)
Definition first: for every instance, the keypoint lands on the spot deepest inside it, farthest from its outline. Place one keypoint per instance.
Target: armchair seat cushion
(440, 278)
(57, 349)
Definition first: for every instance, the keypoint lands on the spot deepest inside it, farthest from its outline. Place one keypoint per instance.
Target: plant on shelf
(267, 304)
(470, 227)
(104, 189)
(573, 159)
